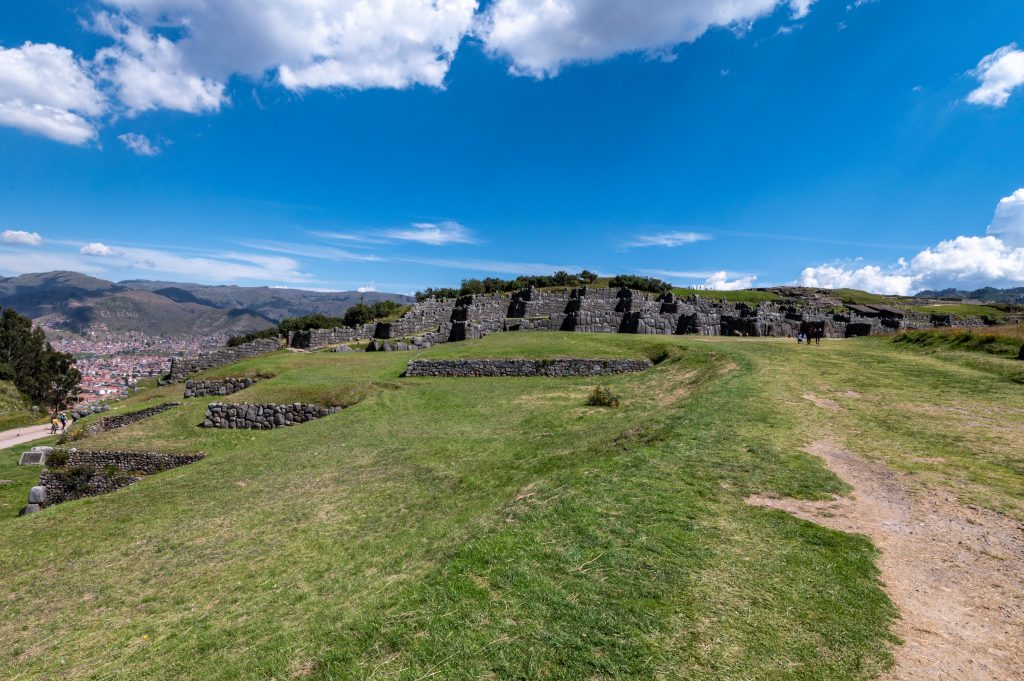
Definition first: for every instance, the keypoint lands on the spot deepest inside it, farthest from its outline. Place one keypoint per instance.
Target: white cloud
(801, 8)
(434, 234)
(1000, 73)
(180, 54)
(667, 239)
(319, 252)
(719, 281)
(139, 144)
(20, 237)
(866, 278)
(369, 288)
(149, 71)
(539, 37)
(99, 249)
(494, 266)
(45, 91)
(1008, 222)
(993, 259)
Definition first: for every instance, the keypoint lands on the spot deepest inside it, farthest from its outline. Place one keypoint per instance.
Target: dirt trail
(955, 572)
(17, 436)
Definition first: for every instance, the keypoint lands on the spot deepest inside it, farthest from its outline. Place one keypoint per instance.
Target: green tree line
(356, 315)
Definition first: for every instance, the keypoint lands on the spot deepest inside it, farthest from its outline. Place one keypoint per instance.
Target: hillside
(502, 528)
(989, 294)
(78, 303)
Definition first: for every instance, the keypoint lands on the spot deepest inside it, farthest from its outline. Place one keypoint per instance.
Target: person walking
(54, 425)
(63, 421)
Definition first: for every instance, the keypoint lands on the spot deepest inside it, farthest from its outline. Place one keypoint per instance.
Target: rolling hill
(77, 303)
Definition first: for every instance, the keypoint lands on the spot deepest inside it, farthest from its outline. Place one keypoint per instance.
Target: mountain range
(78, 303)
(987, 294)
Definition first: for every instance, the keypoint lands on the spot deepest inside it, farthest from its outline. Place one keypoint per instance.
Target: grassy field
(962, 310)
(501, 528)
(1004, 341)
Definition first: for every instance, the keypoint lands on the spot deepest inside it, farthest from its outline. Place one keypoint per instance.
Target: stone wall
(524, 367)
(317, 339)
(181, 368)
(108, 423)
(263, 416)
(89, 473)
(211, 388)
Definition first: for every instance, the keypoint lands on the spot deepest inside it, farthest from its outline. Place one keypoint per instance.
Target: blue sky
(875, 144)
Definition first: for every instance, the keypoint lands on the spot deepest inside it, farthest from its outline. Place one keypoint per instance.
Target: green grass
(14, 408)
(962, 310)
(501, 528)
(1003, 341)
(745, 296)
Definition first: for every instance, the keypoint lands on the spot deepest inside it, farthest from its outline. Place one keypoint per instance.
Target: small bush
(58, 458)
(603, 396)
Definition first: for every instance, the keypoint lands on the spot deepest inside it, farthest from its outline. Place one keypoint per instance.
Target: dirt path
(955, 572)
(17, 436)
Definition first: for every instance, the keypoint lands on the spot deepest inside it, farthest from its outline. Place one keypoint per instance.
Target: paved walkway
(17, 436)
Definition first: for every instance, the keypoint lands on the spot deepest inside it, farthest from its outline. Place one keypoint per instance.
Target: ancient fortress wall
(263, 416)
(524, 367)
(181, 368)
(606, 310)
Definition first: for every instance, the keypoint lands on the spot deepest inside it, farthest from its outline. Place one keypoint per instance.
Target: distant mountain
(987, 294)
(79, 303)
(274, 303)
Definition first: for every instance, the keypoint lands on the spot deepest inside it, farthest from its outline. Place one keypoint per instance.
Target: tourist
(63, 421)
(54, 425)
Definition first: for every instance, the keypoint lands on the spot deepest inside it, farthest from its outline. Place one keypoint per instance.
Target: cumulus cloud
(667, 239)
(1008, 222)
(139, 144)
(20, 237)
(719, 281)
(539, 37)
(1000, 73)
(99, 249)
(45, 91)
(992, 259)
(434, 234)
(180, 54)
(867, 278)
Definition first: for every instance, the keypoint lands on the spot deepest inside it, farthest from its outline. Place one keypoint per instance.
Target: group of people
(59, 422)
(807, 337)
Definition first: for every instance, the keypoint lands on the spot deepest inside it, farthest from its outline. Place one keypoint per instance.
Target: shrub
(603, 396)
(58, 458)
(648, 284)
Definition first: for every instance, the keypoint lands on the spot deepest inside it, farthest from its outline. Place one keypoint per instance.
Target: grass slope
(500, 528)
(1004, 341)
(14, 408)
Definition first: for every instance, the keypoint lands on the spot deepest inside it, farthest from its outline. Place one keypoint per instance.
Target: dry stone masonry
(90, 473)
(108, 423)
(181, 368)
(524, 367)
(607, 310)
(214, 388)
(263, 416)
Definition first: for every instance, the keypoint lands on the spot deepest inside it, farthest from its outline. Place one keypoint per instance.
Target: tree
(61, 380)
(37, 370)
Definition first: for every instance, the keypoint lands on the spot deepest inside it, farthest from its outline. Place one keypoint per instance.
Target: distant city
(112, 366)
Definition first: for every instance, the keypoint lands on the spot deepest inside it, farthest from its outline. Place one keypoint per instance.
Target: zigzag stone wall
(211, 388)
(90, 473)
(108, 423)
(182, 367)
(263, 416)
(524, 367)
